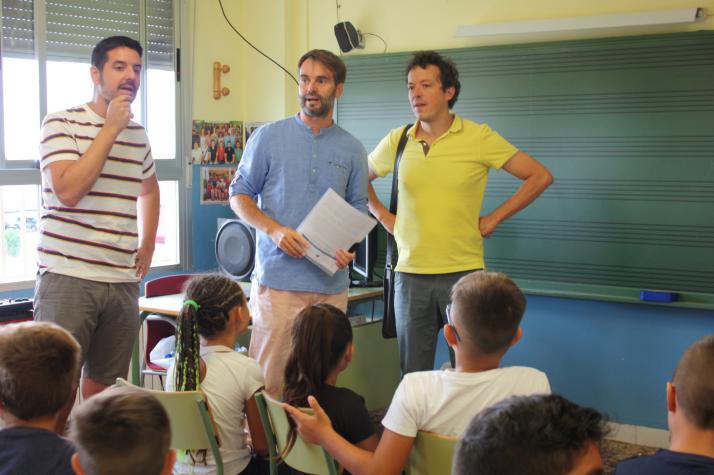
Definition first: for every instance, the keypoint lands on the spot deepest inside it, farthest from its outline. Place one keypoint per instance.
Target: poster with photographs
(214, 184)
(216, 143)
(251, 127)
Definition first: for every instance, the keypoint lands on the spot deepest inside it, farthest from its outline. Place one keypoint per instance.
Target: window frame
(25, 172)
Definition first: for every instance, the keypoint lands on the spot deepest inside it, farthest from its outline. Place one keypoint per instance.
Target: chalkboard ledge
(611, 293)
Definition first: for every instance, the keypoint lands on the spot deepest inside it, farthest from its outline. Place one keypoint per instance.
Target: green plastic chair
(191, 425)
(303, 456)
(431, 454)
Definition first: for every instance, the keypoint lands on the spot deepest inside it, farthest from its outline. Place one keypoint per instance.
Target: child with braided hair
(214, 314)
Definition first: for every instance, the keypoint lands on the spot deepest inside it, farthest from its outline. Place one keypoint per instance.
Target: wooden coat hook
(217, 69)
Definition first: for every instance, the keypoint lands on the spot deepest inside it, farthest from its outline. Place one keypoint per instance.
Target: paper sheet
(330, 225)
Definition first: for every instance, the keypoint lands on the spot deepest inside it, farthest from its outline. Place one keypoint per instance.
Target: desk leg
(135, 355)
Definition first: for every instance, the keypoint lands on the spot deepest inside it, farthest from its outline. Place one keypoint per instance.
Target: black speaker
(235, 249)
(348, 37)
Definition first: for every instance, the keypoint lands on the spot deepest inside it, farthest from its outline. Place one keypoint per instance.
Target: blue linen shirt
(286, 170)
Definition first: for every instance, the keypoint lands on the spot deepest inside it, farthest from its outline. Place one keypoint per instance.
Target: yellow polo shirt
(440, 195)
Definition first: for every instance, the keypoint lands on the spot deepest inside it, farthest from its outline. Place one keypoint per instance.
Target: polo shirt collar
(456, 126)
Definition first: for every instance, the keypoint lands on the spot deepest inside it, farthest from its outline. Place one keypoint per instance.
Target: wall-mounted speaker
(348, 37)
(235, 248)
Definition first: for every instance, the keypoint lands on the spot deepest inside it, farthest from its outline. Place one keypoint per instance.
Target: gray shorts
(103, 317)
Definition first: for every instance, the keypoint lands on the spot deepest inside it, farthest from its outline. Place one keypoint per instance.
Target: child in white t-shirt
(216, 312)
(483, 323)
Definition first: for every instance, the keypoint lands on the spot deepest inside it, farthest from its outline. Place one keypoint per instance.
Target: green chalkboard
(626, 125)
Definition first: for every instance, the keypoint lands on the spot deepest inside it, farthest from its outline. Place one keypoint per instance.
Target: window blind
(74, 27)
(18, 30)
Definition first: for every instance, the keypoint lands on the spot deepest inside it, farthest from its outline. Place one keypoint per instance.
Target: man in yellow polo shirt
(442, 178)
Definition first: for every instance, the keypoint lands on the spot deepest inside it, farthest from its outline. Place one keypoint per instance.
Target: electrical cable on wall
(220, 3)
(374, 34)
(337, 15)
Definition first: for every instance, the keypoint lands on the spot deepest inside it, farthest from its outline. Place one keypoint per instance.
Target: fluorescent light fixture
(616, 20)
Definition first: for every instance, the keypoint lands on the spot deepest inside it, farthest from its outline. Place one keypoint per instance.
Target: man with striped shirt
(99, 189)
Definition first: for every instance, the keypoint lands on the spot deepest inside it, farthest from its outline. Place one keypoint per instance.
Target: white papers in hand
(330, 225)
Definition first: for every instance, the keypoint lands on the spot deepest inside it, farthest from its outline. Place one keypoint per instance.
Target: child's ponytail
(188, 348)
(209, 299)
(320, 335)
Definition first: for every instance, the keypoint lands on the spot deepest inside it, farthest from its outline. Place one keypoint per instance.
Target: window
(46, 46)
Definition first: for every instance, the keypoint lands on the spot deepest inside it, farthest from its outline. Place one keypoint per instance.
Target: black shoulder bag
(389, 322)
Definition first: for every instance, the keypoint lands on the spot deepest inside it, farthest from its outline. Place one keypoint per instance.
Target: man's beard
(325, 105)
(108, 96)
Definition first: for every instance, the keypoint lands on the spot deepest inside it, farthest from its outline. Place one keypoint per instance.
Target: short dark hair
(329, 59)
(694, 383)
(448, 74)
(100, 51)
(39, 368)
(489, 306)
(121, 430)
(545, 433)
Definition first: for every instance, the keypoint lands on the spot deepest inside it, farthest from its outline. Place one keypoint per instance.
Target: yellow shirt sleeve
(495, 150)
(381, 160)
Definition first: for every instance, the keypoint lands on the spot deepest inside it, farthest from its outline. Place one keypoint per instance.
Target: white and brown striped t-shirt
(97, 239)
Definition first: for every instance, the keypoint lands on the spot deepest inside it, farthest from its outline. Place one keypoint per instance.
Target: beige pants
(273, 312)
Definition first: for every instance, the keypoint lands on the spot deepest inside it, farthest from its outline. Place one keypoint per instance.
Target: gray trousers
(419, 305)
(102, 317)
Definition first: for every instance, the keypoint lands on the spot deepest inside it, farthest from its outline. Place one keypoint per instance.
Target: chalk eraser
(658, 296)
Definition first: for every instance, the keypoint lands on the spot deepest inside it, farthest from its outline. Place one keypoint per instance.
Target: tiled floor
(613, 451)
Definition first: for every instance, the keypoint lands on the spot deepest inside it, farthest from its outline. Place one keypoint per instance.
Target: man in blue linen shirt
(286, 168)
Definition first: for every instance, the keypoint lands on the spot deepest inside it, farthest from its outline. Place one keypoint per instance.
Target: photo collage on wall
(214, 184)
(216, 143)
(218, 146)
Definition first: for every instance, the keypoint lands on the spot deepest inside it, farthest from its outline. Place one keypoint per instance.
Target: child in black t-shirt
(320, 349)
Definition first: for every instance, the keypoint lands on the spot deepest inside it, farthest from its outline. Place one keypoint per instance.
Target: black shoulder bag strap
(393, 199)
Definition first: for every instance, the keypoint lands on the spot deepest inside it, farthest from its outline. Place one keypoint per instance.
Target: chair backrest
(167, 285)
(373, 351)
(303, 456)
(431, 454)
(191, 425)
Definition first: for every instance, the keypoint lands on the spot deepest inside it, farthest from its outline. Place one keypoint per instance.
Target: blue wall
(204, 227)
(611, 356)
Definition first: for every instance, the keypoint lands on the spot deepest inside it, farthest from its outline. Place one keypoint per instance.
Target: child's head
(546, 433)
(486, 310)
(693, 386)
(213, 305)
(39, 364)
(122, 430)
(321, 341)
